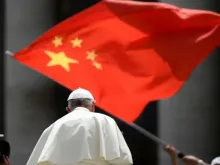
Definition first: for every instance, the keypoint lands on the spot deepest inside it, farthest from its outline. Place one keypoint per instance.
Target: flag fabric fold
(126, 53)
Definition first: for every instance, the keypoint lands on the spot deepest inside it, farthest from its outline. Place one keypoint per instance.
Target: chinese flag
(126, 53)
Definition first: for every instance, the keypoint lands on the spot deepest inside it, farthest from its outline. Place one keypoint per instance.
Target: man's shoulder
(87, 118)
(103, 117)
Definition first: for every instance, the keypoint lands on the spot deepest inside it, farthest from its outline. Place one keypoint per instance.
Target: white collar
(80, 109)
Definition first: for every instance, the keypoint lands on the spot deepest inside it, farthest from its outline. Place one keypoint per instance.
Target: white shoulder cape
(81, 135)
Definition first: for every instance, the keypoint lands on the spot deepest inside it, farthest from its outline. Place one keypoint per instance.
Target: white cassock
(81, 137)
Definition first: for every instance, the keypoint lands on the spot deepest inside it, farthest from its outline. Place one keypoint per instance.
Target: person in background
(4, 152)
(82, 137)
(187, 160)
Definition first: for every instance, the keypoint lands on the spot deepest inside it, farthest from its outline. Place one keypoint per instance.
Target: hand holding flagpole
(154, 138)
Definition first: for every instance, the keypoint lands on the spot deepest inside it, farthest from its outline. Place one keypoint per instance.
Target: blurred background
(30, 102)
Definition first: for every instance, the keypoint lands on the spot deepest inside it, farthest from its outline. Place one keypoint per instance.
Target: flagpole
(152, 137)
(148, 134)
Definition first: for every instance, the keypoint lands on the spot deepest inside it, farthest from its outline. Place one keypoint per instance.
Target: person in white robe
(82, 137)
(216, 161)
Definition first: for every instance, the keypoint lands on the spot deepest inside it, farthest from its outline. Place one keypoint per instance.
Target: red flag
(126, 53)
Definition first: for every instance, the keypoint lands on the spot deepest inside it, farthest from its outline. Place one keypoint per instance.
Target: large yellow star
(60, 59)
(91, 55)
(77, 42)
(57, 41)
(97, 65)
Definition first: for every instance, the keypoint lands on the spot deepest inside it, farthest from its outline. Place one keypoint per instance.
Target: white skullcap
(216, 161)
(80, 94)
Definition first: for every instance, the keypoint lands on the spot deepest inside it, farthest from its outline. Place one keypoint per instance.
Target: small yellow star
(97, 65)
(57, 41)
(91, 55)
(77, 42)
(60, 59)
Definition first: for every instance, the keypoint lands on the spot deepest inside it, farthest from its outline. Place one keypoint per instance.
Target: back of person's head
(86, 103)
(81, 98)
(216, 161)
(4, 150)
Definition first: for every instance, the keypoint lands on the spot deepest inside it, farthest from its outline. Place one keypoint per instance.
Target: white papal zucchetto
(81, 93)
